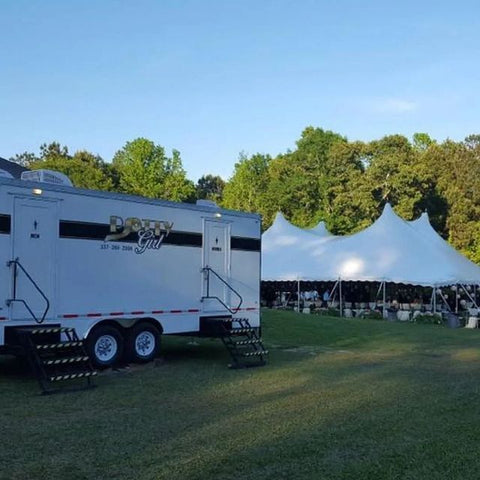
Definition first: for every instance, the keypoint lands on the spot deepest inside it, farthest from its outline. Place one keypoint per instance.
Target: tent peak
(320, 229)
(423, 219)
(387, 208)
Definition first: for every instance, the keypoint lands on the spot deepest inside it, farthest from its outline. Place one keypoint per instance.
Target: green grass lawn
(339, 399)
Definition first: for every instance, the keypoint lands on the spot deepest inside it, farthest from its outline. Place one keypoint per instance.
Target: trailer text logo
(151, 233)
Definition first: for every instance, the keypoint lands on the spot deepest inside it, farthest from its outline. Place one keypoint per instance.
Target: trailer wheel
(143, 343)
(105, 346)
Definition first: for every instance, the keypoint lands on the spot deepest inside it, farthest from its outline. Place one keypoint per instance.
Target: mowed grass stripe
(339, 399)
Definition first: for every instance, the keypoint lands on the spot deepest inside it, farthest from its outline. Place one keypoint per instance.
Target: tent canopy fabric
(320, 230)
(391, 250)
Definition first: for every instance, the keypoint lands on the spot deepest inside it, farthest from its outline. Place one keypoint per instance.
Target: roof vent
(5, 174)
(47, 176)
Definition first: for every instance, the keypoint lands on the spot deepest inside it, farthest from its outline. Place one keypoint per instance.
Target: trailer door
(216, 256)
(35, 230)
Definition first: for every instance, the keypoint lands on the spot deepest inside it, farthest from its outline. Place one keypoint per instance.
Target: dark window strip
(86, 231)
(5, 223)
(243, 243)
(98, 231)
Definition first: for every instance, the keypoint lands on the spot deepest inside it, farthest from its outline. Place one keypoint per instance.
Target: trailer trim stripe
(5, 223)
(140, 312)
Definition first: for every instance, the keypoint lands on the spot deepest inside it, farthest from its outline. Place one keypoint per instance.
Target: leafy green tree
(298, 179)
(342, 206)
(24, 159)
(456, 166)
(393, 174)
(421, 141)
(84, 169)
(210, 187)
(143, 168)
(247, 188)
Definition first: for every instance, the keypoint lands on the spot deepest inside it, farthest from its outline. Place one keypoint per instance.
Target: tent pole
(384, 309)
(340, 295)
(333, 295)
(298, 297)
(333, 292)
(456, 298)
(473, 299)
(445, 301)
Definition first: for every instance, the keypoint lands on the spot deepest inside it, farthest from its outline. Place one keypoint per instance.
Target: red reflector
(138, 313)
(251, 308)
(71, 315)
(94, 314)
(117, 313)
(3, 318)
(158, 311)
(193, 310)
(175, 311)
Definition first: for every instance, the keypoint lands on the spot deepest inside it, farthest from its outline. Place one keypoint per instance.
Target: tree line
(326, 177)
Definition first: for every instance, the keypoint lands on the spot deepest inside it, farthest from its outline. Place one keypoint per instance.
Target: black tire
(142, 343)
(105, 346)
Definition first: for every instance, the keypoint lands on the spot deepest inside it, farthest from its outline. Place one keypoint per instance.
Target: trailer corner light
(37, 191)
(218, 215)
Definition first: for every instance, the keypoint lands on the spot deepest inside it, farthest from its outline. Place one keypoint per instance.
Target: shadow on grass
(399, 403)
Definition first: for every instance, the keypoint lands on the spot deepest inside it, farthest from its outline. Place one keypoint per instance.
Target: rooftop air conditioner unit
(47, 176)
(207, 203)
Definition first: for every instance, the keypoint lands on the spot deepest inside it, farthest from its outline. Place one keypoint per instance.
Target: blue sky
(214, 78)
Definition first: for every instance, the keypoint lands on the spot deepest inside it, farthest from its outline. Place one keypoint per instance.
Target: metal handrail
(234, 310)
(16, 263)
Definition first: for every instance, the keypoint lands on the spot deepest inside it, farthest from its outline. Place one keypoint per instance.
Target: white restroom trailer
(120, 269)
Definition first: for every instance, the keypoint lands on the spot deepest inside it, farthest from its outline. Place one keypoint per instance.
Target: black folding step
(43, 331)
(56, 354)
(59, 345)
(256, 353)
(242, 342)
(72, 376)
(241, 331)
(61, 361)
(247, 342)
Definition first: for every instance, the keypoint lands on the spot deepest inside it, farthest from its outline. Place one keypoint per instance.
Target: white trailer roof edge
(123, 196)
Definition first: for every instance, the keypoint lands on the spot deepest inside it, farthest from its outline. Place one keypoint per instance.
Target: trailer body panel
(102, 256)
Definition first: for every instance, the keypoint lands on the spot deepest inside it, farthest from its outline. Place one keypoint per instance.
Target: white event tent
(469, 271)
(390, 250)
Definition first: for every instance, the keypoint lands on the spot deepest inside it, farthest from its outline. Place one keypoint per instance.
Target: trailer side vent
(47, 176)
